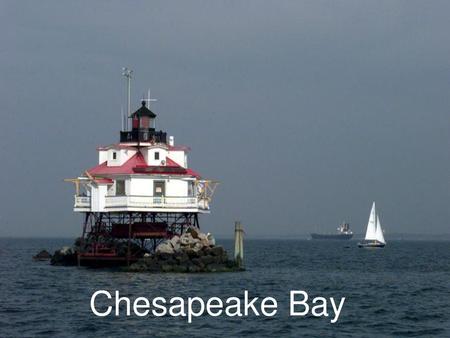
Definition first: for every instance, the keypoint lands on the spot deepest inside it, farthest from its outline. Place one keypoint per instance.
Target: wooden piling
(239, 244)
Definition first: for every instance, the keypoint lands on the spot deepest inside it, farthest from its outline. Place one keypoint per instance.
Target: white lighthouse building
(141, 192)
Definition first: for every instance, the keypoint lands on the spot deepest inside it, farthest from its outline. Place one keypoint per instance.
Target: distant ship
(374, 233)
(344, 232)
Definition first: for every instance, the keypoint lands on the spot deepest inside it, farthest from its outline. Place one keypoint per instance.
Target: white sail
(379, 232)
(371, 225)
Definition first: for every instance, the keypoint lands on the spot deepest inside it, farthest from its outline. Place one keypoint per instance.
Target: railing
(154, 202)
(143, 135)
(82, 201)
(186, 202)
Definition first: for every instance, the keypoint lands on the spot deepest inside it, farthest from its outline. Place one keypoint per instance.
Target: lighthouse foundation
(121, 238)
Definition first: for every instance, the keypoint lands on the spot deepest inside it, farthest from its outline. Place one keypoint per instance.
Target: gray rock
(163, 256)
(165, 247)
(208, 259)
(215, 268)
(193, 268)
(175, 239)
(167, 268)
(171, 261)
(139, 266)
(65, 256)
(191, 253)
(149, 260)
(198, 262)
(42, 256)
(217, 251)
(211, 239)
(66, 250)
(180, 268)
(186, 239)
(182, 257)
(224, 258)
(231, 264)
(155, 266)
(197, 246)
(193, 231)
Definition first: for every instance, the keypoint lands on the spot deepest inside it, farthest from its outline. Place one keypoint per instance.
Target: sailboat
(374, 233)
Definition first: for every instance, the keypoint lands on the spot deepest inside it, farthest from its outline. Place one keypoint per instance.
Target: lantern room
(143, 128)
(143, 118)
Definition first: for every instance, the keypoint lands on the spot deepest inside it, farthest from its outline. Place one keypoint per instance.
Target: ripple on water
(387, 293)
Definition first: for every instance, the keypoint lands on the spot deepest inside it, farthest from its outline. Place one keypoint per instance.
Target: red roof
(137, 165)
(126, 168)
(172, 163)
(104, 180)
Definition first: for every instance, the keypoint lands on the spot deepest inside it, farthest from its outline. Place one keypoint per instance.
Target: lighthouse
(140, 193)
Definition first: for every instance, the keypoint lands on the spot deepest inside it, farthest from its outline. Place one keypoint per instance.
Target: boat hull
(332, 236)
(369, 245)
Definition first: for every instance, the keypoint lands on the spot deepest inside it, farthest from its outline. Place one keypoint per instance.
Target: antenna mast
(128, 74)
(123, 118)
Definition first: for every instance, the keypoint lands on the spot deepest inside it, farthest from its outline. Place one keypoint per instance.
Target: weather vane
(148, 100)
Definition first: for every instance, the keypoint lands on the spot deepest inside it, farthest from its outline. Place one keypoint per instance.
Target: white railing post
(149, 201)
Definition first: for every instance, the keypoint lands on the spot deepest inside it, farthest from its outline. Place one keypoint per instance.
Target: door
(159, 188)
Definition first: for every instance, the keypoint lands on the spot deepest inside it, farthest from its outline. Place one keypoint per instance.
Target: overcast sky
(305, 111)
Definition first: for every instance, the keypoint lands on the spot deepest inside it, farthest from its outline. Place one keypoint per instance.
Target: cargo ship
(343, 233)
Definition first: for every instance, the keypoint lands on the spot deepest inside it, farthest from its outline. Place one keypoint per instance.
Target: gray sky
(306, 111)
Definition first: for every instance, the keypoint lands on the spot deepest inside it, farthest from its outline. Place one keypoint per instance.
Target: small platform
(141, 230)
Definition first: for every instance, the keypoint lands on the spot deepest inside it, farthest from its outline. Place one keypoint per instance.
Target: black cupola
(143, 127)
(143, 118)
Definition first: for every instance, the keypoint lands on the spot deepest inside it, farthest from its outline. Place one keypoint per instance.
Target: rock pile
(42, 255)
(66, 256)
(191, 252)
(191, 239)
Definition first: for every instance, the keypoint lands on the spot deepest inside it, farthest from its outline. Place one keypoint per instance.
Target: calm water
(403, 290)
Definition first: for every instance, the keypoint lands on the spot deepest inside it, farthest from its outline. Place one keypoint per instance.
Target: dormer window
(114, 155)
(156, 155)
